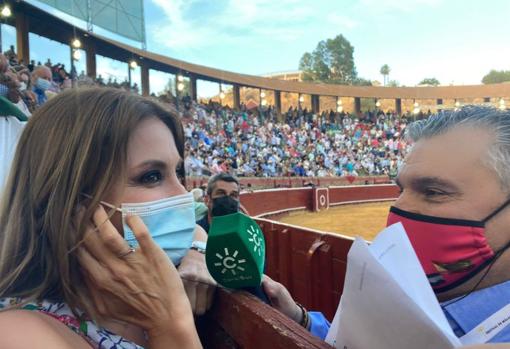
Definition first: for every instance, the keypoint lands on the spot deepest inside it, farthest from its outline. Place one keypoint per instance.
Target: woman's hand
(198, 283)
(140, 287)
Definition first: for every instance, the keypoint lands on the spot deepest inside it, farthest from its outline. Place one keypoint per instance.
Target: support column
(278, 102)
(193, 87)
(357, 105)
(22, 43)
(236, 97)
(315, 104)
(398, 106)
(146, 88)
(90, 51)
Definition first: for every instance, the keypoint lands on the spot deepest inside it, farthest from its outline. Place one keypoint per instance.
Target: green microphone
(236, 251)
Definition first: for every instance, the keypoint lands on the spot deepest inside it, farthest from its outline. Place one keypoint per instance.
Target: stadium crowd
(255, 142)
(247, 143)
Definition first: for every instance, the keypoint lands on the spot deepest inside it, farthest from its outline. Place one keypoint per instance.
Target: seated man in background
(41, 82)
(222, 197)
(454, 206)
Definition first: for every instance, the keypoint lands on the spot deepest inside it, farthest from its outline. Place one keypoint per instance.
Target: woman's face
(152, 160)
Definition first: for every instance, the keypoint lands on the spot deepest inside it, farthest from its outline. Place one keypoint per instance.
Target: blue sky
(454, 41)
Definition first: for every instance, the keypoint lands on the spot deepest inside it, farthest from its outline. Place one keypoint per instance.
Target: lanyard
(487, 329)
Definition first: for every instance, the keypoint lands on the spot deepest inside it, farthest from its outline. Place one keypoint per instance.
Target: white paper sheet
(387, 301)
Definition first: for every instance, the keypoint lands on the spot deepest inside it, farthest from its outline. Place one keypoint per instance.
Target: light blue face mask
(171, 223)
(42, 84)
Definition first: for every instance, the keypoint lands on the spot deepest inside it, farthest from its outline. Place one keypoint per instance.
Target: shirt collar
(471, 310)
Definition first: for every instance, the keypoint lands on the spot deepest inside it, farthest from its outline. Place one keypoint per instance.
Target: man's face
(448, 176)
(222, 188)
(43, 73)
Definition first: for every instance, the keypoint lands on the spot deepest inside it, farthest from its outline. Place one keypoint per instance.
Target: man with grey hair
(41, 82)
(454, 205)
(455, 193)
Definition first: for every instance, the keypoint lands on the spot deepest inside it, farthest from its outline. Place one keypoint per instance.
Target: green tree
(171, 87)
(496, 76)
(393, 83)
(332, 61)
(430, 81)
(362, 82)
(307, 61)
(385, 71)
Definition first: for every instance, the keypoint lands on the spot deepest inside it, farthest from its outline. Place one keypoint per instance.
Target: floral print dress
(96, 336)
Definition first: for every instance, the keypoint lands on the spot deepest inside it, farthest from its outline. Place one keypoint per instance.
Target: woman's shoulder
(24, 329)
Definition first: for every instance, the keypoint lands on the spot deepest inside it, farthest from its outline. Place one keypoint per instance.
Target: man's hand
(281, 299)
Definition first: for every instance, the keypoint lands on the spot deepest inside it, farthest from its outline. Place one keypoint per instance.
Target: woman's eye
(151, 177)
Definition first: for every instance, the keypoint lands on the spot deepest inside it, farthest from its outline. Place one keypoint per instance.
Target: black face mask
(224, 205)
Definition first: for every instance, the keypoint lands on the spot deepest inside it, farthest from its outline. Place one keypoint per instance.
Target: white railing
(10, 131)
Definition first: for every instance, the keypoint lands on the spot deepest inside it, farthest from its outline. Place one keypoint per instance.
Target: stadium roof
(55, 28)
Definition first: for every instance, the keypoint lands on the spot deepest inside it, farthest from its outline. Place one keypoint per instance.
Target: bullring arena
(364, 219)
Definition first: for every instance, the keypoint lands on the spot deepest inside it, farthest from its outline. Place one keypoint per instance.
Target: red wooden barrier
(311, 264)
(294, 182)
(274, 201)
(239, 320)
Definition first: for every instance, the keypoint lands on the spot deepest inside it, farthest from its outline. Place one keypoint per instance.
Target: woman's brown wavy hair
(75, 143)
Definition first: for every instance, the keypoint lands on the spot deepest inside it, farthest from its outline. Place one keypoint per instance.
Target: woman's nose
(176, 189)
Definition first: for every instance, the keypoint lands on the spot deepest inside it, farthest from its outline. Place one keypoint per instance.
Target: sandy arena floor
(365, 220)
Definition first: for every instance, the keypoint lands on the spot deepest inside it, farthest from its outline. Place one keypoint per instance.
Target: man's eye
(151, 177)
(433, 193)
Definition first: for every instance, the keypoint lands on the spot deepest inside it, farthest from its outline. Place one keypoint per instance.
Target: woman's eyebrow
(150, 163)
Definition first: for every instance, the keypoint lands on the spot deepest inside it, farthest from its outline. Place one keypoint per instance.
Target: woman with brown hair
(73, 272)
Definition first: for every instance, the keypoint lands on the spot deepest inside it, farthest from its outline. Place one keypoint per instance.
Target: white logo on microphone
(256, 239)
(229, 262)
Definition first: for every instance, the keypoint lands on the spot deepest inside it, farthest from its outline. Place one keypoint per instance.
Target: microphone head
(236, 251)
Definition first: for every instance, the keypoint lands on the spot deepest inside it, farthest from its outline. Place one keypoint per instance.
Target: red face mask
(451, 251)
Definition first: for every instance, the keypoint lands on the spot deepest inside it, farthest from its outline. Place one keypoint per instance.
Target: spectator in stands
(4, 64)
(15, 94)
(64, 255)
(41, 82)
(247, 144)
(10, 53)
(31, 65)
(222, 197)
(201, 209)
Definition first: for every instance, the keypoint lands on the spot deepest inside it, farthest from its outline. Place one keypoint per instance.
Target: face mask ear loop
(501, 208)
(495, 258)
(105, 204)
(500, 252)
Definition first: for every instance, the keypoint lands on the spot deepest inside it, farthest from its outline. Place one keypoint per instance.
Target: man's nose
(407, 202)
